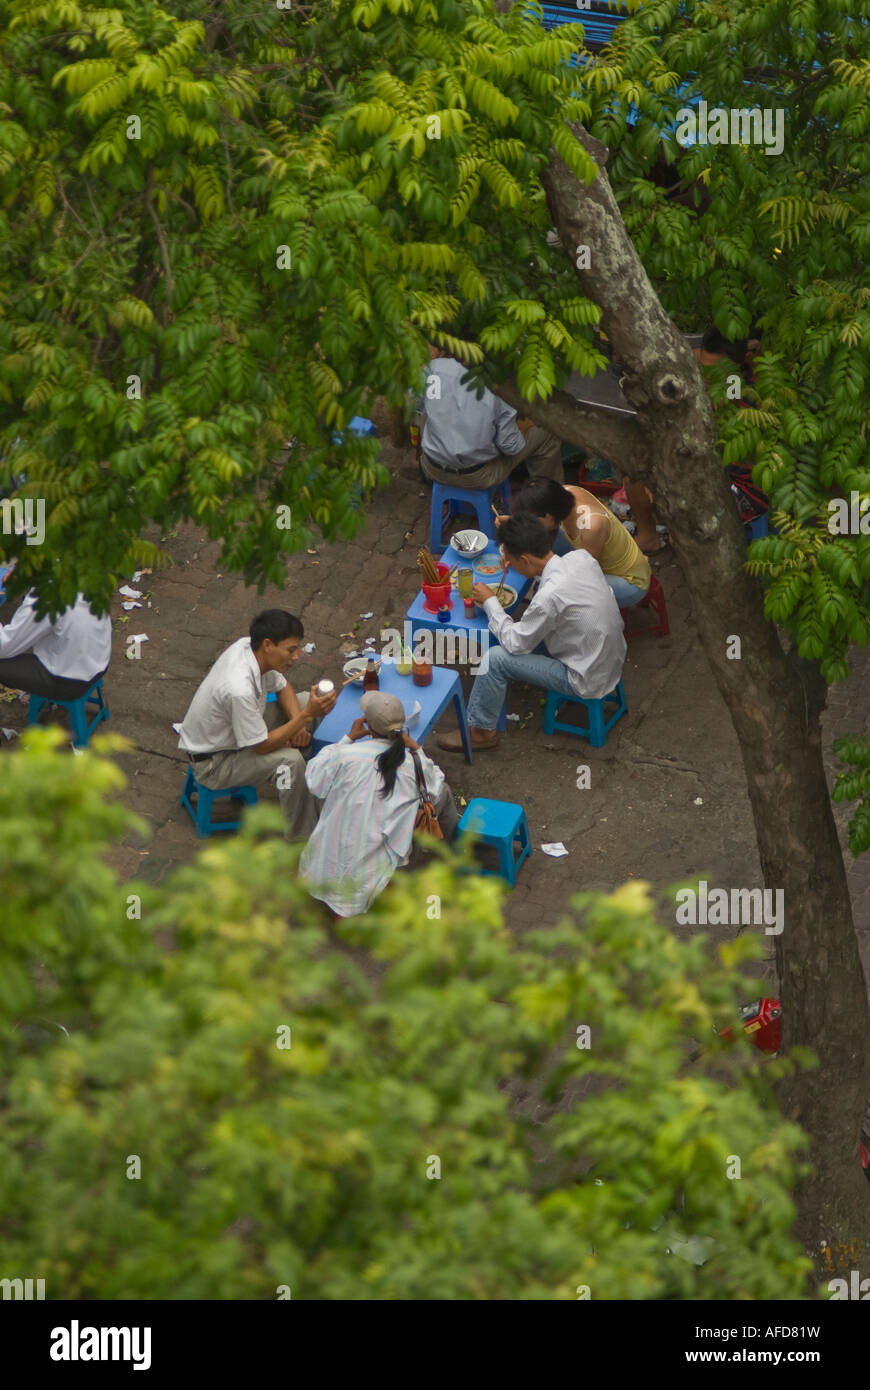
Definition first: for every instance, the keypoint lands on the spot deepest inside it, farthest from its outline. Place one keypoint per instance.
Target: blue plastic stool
(465, 499)
(77, 710)
(502, 824)
(358, 425)
(599, 724)
(201, 813)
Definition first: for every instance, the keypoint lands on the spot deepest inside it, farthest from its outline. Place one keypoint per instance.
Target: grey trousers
(26, 672)
(542, 456)
(245, 768)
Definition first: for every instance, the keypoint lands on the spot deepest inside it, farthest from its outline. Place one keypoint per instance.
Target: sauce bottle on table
(371, 680)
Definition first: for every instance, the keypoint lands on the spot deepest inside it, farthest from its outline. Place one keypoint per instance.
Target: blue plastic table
(433, 699)
(476, 628)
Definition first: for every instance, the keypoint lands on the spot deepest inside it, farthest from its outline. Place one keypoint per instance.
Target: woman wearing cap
(368, 786)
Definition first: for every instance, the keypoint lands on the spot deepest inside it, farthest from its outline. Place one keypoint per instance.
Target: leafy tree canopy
(394, 151)
(153, 165)
(141, 1022)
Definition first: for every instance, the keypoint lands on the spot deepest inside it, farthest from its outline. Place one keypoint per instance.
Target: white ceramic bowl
(508, 598)
(469, 543)
(356, 667)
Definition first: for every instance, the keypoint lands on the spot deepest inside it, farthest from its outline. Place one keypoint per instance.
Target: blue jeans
(490, 689)
(626, 594)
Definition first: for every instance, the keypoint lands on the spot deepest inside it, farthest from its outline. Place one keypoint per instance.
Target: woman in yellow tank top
(581, 521)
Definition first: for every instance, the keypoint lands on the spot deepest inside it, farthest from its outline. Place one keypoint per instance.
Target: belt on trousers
(463, 468)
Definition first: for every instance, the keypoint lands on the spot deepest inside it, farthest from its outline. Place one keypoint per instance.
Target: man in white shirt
(475, 442)
(58, 658)
(570, 638)
(234, 738)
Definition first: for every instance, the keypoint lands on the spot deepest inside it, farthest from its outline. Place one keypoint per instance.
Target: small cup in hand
(319, 705)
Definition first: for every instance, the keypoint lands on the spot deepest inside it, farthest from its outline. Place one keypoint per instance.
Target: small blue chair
(357, 425)
(502, 824)
(205, 797)
(600, 723)
(77, 710)
(465, 499)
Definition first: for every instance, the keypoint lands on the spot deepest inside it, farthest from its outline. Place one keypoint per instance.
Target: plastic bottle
(371, 680)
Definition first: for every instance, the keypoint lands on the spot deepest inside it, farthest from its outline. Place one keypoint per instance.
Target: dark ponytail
(390, 762)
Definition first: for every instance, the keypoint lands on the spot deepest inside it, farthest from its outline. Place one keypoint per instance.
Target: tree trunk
(774, 700)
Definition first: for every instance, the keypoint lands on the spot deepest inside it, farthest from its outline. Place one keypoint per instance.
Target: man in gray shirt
(478, 443)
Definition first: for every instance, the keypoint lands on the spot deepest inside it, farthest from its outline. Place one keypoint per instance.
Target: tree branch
(615, 437)
(164, 250)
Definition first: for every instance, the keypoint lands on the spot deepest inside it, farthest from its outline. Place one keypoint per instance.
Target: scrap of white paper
(309, 647)
(367, 615)
(137, 574)
(127, 606)
(698, 801)
(512, 716)
(128, 592)
(9, 733)
(140, 637)
(555, 850)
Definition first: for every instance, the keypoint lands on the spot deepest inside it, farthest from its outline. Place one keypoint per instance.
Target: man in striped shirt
(570, 638)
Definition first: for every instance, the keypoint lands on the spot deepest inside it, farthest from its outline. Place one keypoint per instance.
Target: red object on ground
(762, 1021)
(437, 595)
(655, 599)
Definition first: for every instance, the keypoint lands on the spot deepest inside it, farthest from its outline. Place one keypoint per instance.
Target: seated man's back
(55, 658)
(461, 431)
(477, 441)
(587, 626)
